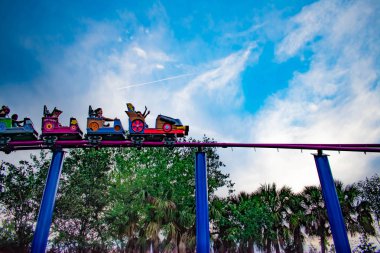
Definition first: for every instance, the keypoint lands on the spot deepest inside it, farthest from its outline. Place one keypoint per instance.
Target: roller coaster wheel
(137, 141)
(94, 140)
(167, 127)
(137, 138)
(50, 140)
(4, 141)
(170, 141)
(7, 151)
(137, 125)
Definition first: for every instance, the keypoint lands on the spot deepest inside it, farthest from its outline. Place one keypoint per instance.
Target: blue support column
(334, 212)
(45, 214)
(201, 199)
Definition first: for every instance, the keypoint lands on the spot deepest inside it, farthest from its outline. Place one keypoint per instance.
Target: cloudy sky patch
(305, 72)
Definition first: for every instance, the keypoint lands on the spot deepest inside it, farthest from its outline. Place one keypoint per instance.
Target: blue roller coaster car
(98, 129)
(19, 132)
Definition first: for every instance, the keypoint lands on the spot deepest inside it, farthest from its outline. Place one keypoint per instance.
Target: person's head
(5, 109)
(14, 117)
(99, 112)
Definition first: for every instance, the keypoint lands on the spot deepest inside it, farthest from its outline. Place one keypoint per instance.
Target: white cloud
(160, 66)
(335, 101)
(212, 100)
(140, 52)
(304, 27)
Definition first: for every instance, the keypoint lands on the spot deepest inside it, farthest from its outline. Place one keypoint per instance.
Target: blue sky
(249, 71)
(39, 30)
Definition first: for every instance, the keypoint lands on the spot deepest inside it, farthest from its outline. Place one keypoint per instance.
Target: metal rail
(30, 145)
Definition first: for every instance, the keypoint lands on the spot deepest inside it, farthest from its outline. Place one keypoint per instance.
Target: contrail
(164, 79)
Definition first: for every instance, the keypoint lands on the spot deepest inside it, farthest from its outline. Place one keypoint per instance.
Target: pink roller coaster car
(52, 130)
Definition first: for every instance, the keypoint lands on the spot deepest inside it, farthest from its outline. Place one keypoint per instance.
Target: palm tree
(315, 214)
(356, 211)
(224, 223)
(160, 216)
(277, 202)
(296, 220)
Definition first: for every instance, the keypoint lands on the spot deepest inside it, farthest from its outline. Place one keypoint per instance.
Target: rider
(15, 122)
(4, 111)
(99, 114)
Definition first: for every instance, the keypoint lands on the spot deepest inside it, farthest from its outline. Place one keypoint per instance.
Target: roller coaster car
(20, 132)
(166, 127)
(51, 128)
(98, 129)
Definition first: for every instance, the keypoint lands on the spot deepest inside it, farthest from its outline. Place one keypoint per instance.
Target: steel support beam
(201, 199)
(334, 211)
(45, 214)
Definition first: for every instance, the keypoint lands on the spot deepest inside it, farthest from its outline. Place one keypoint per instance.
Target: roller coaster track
(39, 144)
(327, 183)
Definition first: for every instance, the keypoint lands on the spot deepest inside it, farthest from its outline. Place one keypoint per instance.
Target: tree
(253, 217)
(277, 202)
(356, 210)
(21, 190)
(365, 246)
(370, 192)
(82, 198)
(224, 224)
(137, 199)
(296, 220)
(316, 216)
(165, 179)
(239, 222)
(123, 198)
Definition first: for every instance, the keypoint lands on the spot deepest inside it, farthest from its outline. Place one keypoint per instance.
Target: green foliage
(21, 190)
(131, 200)
(355, 210)
(159, 184)
(127, 199)
(82, 198)
(370, 189)
(365, 246)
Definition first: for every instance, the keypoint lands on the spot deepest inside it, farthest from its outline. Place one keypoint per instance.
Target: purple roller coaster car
(52, 128)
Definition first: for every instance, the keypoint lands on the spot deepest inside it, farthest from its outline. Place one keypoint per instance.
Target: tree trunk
(220, 246)
(268, 246)
(276, 246)
(175, 245)
(323, 246)
(156, 245)
(182, 247)
(297, 240)
(250, 246)
(241, 248)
